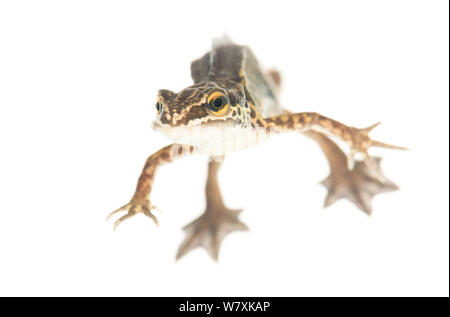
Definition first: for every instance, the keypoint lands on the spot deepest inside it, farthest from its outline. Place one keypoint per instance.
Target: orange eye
(218, 103)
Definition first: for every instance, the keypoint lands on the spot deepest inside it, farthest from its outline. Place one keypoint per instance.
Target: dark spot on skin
(252, 113)
(185, 94)
(238, 79)
(164, 156)
(233, 113)
(232, 99)
(164, 120)
(166, 94)
(334, 124)
(260, 122)
(196, 112)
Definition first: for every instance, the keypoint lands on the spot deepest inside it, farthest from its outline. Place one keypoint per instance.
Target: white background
(78, 81)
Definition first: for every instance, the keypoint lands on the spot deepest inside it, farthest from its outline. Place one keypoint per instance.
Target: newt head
(200, 104)
(201, 113)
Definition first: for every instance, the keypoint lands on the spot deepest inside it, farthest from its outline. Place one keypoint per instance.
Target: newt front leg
(140, 201)
(357, 139)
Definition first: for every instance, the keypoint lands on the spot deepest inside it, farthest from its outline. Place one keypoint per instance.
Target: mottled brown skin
(231, 70)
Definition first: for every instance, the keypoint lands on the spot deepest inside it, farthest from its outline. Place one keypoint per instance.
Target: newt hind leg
(358, 185)
(214, 224)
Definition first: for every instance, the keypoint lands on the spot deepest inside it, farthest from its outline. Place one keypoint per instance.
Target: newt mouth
(203, 122)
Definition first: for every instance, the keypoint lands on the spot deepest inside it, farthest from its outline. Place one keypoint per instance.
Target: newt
(233, 105)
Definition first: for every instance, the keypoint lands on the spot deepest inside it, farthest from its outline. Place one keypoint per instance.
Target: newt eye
(159, 107)
(218, 103)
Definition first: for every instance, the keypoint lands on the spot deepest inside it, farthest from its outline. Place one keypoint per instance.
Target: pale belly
(215, 140)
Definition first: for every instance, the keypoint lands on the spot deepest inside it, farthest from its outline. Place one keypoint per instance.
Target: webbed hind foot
(209, 229)
(358, 185)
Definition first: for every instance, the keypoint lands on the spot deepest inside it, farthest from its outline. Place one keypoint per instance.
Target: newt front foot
(359, 185)
(208, 231)
(135, 206)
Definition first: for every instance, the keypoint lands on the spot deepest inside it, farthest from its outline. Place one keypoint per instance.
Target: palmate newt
(231, 106)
